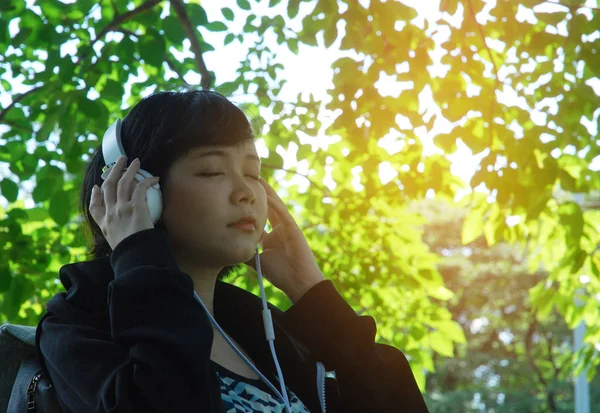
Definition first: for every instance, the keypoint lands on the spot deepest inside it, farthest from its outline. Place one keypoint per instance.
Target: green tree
(513, 360)
(366, 241)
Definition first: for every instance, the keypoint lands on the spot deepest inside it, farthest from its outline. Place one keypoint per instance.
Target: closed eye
(220, 173)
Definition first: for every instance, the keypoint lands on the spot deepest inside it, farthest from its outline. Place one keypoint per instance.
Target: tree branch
(18, 99)
(116, 22)
(496, 81)
(112, 25)
(125, 31)
(172, 66)
(325, 190)
(186, 24)
(17, 126)
(169, 61)
(573, 8)
(528, 338)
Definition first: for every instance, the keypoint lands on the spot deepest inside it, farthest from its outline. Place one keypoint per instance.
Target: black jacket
(129, 336)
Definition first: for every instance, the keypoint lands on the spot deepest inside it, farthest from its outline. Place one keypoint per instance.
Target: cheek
(263, 209)
(183, 200)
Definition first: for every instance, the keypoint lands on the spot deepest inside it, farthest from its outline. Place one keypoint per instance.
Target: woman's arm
(151, 352)
(371, 377)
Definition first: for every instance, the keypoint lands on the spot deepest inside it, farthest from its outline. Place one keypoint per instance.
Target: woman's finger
(124, 187)
(278, 212)
(271, 213)
(262, 237)
(139, 193)
(96, 206)
(109, 185)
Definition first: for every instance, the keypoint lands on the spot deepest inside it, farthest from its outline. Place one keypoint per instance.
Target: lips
(244, 220)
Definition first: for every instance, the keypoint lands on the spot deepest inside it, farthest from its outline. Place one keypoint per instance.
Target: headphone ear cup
(153, 196)
(154, 200)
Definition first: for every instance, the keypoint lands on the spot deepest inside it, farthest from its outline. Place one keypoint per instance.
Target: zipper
(31, 391)
(321, 384)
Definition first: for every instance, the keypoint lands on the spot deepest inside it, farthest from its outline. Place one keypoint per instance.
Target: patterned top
(241, 394)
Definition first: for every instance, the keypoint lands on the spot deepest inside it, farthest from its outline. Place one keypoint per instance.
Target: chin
(241, 253)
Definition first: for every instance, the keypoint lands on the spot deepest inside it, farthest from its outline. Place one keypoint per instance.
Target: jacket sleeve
(153, 354)
(371, 377)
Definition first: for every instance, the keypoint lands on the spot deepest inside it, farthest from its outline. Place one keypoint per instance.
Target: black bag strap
(22, 398)
(32, 391)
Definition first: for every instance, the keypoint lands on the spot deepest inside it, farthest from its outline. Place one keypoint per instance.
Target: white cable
(269, 333)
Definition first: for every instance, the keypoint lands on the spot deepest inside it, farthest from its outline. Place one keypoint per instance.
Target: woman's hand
(286, 261)
(119, 206)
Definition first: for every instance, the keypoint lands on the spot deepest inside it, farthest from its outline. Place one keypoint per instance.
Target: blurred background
(441, 157)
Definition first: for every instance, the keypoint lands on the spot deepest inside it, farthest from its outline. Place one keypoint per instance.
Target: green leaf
(292, 8)
(441, 293)
(173, 29)
(66, 70)
(227, 88)
(216, 26)
(206, 47)
(273, 3)
(274, 160)
(48, 125)
(90, 108)
(60, 208)
(229, 38)
(52, 10)
(37, 214)
(571, 217)
(472, 226)
(293, 45)
(450, 329)
(420, 378)
(440, 343)
(243, 4)
(21, 288)
(113, 91)
(227, 13)
(69, 134)
(3, 31)
(197, 14)
(330, 34)
(7, 6)
(7, 86)
(152, 50)
(44, 189)
(10, 190)
(5, 277)
(16, 150)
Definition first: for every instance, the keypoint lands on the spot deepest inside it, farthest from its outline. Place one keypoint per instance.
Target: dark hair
(158, 130)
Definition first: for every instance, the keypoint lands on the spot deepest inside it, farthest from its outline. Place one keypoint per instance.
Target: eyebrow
(224, 154)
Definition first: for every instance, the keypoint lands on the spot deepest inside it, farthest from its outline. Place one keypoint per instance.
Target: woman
(128, 334)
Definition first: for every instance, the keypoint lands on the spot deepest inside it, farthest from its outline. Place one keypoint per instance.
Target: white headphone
(112, 149)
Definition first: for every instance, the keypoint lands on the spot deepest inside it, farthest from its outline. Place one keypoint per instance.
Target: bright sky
(310, 72)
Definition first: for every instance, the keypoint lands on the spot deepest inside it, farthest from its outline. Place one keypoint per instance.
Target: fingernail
(136, 160)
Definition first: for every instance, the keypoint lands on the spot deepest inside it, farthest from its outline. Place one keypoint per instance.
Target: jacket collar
(238, 312)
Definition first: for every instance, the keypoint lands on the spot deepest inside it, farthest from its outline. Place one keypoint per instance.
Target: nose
(242, 191)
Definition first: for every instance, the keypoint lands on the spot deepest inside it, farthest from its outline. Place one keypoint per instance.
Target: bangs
(209, 119)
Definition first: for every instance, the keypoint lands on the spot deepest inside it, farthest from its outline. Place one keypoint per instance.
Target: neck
(205, 288)
(204, 280)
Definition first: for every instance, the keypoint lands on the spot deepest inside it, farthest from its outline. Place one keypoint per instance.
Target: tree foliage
(513, 359)
(517, 90)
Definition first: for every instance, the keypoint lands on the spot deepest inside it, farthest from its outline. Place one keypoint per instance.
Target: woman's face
(206, 190)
